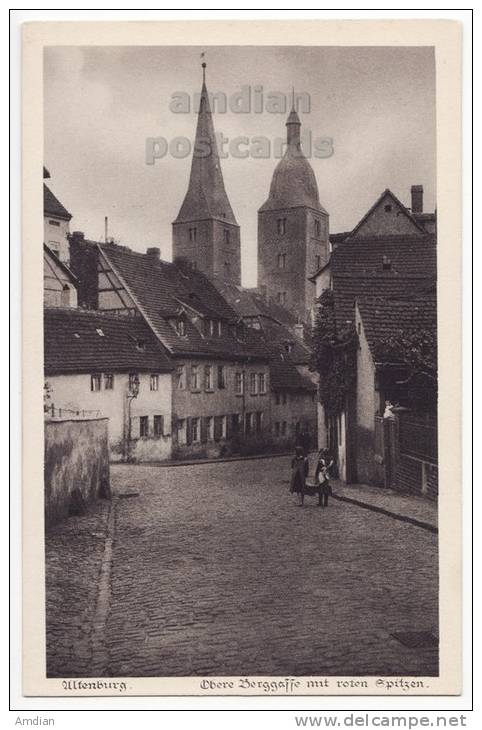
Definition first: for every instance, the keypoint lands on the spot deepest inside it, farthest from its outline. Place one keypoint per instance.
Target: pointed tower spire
(206, 195)
(211, 238)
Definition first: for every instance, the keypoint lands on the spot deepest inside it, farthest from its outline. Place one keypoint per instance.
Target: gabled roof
(285, 376)
(160, 289)
(72, 343)
(384, 317)
(68, 272)
(53, 206)
(252, 303)
(397, 202)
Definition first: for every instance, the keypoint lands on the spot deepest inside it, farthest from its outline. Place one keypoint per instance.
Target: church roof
(206, 195)
(293, 184)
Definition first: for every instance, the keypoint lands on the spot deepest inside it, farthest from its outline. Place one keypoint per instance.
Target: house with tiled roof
(293, 385)
(391, 255)
(110, 365)
(221, 378)
(56, 223)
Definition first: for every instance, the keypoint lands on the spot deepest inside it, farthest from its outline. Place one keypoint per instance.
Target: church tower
(205, 232)
(293, 229)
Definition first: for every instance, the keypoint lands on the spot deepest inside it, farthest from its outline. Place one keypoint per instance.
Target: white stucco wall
(55, 236)
(74, 392)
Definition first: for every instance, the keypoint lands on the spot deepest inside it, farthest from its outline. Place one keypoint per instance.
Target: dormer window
(289, 346)
(100, 332)
(281, 226)
(387, 263)
(181, 327)
(141, 345)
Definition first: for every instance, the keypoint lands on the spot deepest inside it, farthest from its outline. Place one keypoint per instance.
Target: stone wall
(76, 469)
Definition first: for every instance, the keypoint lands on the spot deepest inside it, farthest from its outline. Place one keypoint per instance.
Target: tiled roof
(251, 303)
(162, 289)
(383, 317)
(409, 256)
(73, 345)
(285, 376)
(53, 206)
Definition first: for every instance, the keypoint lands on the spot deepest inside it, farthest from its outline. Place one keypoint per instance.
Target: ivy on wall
(334, 356)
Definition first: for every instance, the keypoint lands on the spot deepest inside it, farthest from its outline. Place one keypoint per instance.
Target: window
(277, 428)
(297, 428)
(235, 422)
(192, 234)
(387, 263)
(281, 226)
(227, 268)
(238, 383)
(282, 261)
(224, 427)
(227, 235)
(221, 377)
(259, 421)
(141, 345)
(284, 398)
(181, 431)
(95, 383)
(318, 262)
(211, 327)
(208, 377)
(253, 389)
(281, 297)
(388, 209)
(181, 327)
(108, 381)
(317, 228)
(249, 423)
(195, 434)
(100, 332)
(181, 377)
(133, 382)
(144, 426)
(262, 383)
(210, 428)
(289, 346)
(283, 428)
(54, 223)
(158, 426)
(220, 328)
(194, 377)
(277, 398)
(154, 381)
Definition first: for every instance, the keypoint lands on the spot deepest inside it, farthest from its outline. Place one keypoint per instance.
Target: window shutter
(188, 431)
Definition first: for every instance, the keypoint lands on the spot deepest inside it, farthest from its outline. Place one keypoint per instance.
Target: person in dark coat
(322, 477)
(299, 472)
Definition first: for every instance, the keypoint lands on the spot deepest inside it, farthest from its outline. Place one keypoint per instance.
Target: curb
(195, 462)
(381, 510)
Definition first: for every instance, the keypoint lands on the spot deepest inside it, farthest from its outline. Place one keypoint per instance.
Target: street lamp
(132, 392)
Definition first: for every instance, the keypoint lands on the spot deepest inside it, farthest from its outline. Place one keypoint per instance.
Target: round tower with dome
(293, 229)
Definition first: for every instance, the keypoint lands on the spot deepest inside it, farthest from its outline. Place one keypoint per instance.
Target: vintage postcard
(241, 358)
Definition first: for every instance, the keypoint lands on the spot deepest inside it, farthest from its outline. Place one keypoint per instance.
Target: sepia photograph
(241, 354)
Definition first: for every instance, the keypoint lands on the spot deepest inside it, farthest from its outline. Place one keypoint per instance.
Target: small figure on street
(322, 477)
(299, 472)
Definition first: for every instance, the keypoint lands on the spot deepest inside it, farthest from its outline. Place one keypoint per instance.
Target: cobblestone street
(215, 570)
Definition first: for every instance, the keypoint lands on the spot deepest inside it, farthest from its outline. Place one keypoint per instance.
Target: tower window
(317, 228)
(318, 262)
(388, 209)
(227, 268)
(281, 297)
(282, 261)
(227, 235)
(192, 234)
(281, 223)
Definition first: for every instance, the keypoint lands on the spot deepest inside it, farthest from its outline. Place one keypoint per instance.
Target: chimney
(78, 236)
(154, 253)
(417, 198)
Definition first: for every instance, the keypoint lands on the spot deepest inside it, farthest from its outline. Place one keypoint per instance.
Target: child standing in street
(322, 477)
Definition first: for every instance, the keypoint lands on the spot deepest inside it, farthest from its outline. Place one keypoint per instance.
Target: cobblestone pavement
(216, 571)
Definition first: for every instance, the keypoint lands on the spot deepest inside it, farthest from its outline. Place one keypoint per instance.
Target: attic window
(387, 263)
(388, 208)
(289, 346)
(141, 345)
(76, 335)
(100, 332)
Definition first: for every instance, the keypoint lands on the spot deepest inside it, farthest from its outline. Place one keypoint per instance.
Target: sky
(102, 104)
